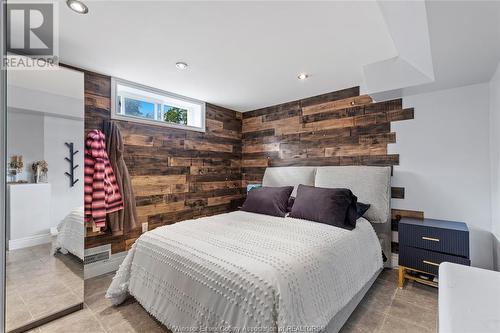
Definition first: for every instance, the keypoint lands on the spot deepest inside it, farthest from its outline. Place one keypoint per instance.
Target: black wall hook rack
(72, 167)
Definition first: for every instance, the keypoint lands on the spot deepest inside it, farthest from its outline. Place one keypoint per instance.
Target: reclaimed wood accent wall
(176, 174)
(339, 128)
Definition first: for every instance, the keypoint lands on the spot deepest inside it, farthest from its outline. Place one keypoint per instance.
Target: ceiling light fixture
(302, 76)
(181, 65)
(77, 6)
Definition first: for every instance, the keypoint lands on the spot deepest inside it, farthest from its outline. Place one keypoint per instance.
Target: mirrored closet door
(44, 196)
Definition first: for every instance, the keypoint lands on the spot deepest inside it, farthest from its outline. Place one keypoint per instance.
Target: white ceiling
(63, 82)
(246, 55)
(465, 43)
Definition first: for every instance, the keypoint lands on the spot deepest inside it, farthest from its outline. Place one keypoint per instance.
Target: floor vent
(99, 253)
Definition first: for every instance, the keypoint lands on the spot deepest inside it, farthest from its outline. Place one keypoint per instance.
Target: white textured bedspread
(245, 271)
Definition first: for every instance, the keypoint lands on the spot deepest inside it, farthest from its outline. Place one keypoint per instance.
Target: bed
(70, 234)
(258, 272)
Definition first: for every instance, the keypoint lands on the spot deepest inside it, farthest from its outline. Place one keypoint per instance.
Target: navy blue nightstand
(424, 244)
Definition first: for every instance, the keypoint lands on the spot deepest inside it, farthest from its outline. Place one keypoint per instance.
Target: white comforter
(244, 270)
(70, 233)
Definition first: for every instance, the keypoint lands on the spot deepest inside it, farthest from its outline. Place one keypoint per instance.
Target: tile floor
(385, 308)
(39, 283)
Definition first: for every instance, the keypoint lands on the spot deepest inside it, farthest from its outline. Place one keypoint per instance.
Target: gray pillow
(333, 206)
(369, 184)
(268, 200)
(289, 176)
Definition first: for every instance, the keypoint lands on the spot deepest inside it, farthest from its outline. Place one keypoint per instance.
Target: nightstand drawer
(426, 261)
(453, 242)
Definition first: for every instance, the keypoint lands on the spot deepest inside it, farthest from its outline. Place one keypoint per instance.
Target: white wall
(57, 132)
(45, 110)
(445, 163)
(25, 137)
(495, 163)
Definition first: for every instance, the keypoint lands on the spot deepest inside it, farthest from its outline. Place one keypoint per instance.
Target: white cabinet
(28, 215)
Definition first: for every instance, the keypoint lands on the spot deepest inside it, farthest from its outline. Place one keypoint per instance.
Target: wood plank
(160, 208)
(328, 97)
(397, 214)
(223, 200)
(356, 150)
(129, 243)
(138, 140)
(185, 161)
(395, 104)
(337, 105)
(158, 180)
(370, 119)
(400, 114)
(218, 169)
(210, 186)
(282, 111)
(281, 126)
(261, 148)
(97, 101)
(214, 124)
(263, 162)
(382, 138)
(334, 114)
(207, 146)
(374, 160)
(144, 190)
(97, 84)
(329, 124)
(257, 134)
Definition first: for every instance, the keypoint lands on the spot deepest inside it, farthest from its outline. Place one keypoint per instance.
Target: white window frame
(174, 100)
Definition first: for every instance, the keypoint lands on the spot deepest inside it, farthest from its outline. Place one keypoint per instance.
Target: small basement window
(135, 102)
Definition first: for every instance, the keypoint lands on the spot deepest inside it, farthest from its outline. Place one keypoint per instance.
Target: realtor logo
(31, 35)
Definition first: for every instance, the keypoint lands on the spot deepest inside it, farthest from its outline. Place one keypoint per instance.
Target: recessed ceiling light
(302, 76)
(181, 65)
(77, 6)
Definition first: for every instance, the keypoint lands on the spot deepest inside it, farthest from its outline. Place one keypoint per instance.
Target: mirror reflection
(44, 267)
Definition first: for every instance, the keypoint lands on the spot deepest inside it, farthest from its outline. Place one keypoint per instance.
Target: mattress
(247, 271)
(70, 234)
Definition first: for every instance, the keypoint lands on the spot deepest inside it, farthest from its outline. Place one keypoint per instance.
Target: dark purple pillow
(361, 209)
(268, 200)
(333, 206)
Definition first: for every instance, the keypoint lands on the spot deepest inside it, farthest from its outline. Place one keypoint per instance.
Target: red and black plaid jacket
(102, 195)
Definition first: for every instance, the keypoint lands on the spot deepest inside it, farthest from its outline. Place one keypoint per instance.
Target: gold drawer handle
(430, 263)
(430, 239)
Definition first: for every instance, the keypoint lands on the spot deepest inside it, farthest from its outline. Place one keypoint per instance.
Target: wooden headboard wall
(179, 174)
(339, 128)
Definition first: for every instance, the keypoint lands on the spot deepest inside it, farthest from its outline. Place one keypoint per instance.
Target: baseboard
(102, 267)
(15, 244)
